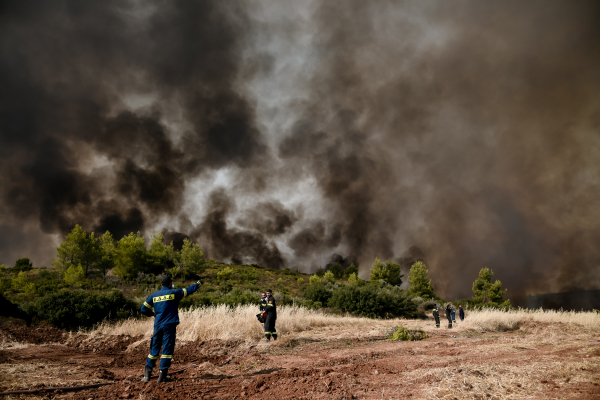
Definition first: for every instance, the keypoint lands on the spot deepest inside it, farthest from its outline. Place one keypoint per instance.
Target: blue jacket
(453, 314)
(165, 303)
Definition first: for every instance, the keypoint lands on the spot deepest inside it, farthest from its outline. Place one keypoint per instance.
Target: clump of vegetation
(388, 272)
(402, 333)
(71, 310)
(372, 301)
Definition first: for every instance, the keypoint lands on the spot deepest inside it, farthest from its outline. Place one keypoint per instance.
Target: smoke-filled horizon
(282, 133)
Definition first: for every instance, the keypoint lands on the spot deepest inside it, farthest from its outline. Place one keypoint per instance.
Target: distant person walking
(453, 314)
(164, 305)
(449, 316)
(436, 316)
(461, 313)
(271, 309)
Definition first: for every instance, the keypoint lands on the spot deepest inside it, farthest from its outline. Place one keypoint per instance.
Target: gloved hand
(200, 282)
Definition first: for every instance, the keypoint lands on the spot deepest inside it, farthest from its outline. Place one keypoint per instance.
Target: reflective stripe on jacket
(165, 304)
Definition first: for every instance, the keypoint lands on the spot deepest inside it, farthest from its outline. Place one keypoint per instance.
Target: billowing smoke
(463, 134)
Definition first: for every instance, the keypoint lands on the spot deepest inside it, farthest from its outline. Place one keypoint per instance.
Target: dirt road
(524, 363)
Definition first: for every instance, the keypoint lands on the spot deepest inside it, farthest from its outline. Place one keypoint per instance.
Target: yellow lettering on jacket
(163, 298)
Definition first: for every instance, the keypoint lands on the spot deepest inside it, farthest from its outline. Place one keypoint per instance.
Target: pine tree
(78, 249)
(420, 284)
(488, 293)
(130, 256)
(388, 272)
(191, 258)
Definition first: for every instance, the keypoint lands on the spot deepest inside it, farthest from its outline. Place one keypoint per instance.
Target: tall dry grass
(492, 320)
(238, 323)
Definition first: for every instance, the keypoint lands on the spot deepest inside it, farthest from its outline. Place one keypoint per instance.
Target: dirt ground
(528, 363)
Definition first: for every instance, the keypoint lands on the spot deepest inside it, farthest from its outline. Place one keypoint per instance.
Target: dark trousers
(270, 326)
(164, 336)
(437, 322)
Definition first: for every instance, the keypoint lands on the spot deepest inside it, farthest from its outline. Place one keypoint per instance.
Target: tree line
(83, 253)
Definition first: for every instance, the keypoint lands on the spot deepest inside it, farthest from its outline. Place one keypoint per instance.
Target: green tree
(68, 252)
(488, 293)
(74, 275)
(388, 272)
(351, 270)
(225, 274)
(329, 277)
(159, 255)
(23, 284)
(337, 270)
(108, 249)
(79, 248)
(314, 280)
(191, 259)
(420, 284)
(354, 280)
(130, 256)
(22, 264)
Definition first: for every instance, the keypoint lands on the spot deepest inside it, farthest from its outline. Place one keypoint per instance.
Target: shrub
(22, 265)
(316, 293)
(249, 275)
(402, 333)
(354, 280)
(300, 281)
(314, 280)
(22, 283)
(71, 310)
(225, 274)
(73, 275)
(372, 302)
(329, 277)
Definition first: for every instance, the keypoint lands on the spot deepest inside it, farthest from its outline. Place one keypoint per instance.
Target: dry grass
(240, 324)
(497, 321)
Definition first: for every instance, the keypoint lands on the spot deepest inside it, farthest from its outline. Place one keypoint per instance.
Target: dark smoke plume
(464, 134)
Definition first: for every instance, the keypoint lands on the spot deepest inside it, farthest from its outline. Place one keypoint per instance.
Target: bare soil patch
(516, 364)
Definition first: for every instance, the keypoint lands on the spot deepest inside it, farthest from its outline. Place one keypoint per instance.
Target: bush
(317, 293)
(329, 277)
(372, 302)
(249, 275)
(225, 274)
(402, 333)
(314, 280)
(22, 265)
(71, 310)
(300, 281)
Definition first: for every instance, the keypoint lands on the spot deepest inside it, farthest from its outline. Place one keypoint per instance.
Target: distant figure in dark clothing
(449, 316)
(8, 309)
(271, 309)
(453, 314)
(436, 315)
(461, 313)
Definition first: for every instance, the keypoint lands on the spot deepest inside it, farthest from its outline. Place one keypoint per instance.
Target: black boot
(163, 377)
(147, 374)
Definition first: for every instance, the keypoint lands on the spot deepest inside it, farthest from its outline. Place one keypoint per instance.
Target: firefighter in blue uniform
(163, 305)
